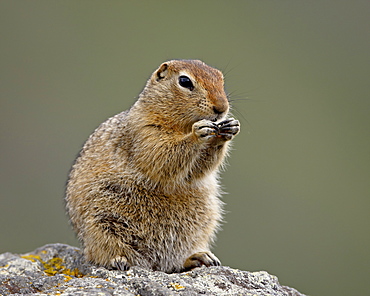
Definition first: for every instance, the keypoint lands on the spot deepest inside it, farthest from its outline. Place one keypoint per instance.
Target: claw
(201, 258)
(225, 122)
(225, 125)
(120, 263)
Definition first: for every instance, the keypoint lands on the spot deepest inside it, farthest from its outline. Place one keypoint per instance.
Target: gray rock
(58, 269)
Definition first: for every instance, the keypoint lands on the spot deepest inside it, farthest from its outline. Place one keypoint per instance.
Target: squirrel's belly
(165, 238)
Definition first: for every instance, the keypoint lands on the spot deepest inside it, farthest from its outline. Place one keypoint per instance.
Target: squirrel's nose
(221, 107)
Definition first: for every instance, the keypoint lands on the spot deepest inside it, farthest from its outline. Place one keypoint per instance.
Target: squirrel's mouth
(214, 117)
(218, 117)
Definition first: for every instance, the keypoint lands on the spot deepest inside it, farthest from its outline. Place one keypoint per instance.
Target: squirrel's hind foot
(201, 258)
(120, 263)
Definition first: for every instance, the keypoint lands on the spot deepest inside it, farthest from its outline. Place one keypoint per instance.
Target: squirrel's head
(186, 91)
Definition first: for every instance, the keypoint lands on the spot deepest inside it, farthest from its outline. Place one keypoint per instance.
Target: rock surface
(58, 269)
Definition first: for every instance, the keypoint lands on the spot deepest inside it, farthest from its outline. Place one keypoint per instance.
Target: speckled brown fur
(144, 188)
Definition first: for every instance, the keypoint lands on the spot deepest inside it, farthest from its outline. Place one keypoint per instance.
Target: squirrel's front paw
(201, 258)
(228, 128)
(205, 129)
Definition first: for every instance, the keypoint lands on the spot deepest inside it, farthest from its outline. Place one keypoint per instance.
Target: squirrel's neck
(144, 113)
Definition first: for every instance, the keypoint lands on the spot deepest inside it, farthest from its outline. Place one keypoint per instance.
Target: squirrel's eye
(185, 81)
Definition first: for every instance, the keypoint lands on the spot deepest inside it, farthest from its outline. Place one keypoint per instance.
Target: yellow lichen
(67, 278)
(33, 258)
(176, 286)
(54, 266)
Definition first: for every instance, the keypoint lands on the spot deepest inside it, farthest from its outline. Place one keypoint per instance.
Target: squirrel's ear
(162, 72)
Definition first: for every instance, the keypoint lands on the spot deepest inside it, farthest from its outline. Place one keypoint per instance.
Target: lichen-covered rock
(58, 269)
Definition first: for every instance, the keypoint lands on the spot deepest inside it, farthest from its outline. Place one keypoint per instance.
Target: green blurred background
(299, 176)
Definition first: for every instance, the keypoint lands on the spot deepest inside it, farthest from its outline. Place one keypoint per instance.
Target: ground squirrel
(143, 190)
